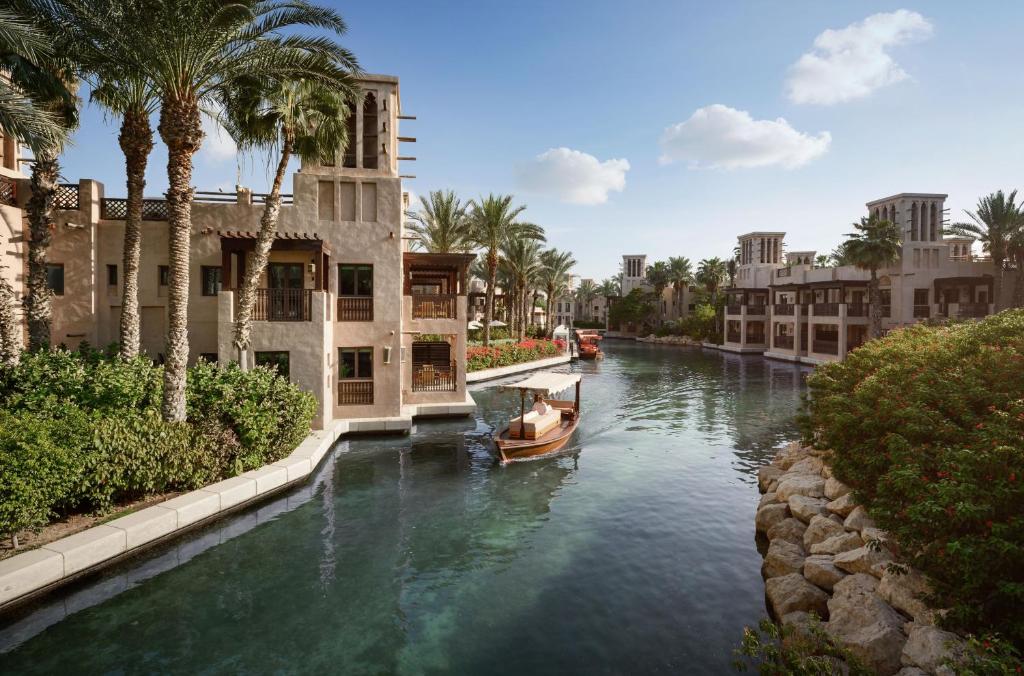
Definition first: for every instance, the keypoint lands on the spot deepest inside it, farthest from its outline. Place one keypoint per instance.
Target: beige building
(344, 310)
(786, 308)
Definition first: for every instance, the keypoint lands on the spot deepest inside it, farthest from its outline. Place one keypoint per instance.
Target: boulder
(820, 529)
(837, 544)
(834, 488)
(805, 508)
(857, 520)
(773, 486)
(863, 560)
(820, 570)
(800, 484)
(865, 624)
(783, 558)
(789, 455)
(905, 593)
(842, 505)
(808, 465)
(911, 671)
(791, 530)
(767, 499)
(792, 592)
(769, 515)
(930, 648)
(767, 474)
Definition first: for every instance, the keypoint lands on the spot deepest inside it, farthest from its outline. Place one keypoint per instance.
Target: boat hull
(552, 442)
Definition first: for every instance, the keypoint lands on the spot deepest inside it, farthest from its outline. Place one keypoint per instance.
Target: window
(55, 278)
(276, 360)
(920, 296)
(164, 274)
(208, 357)
(355, 363)
(211, 280)
(355, 280)
(111, 275)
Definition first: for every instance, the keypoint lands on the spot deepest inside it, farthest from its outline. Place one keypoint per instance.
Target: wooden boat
(532, 433)
(589, 344)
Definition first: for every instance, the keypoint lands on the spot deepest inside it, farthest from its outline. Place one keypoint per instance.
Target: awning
(546, 383)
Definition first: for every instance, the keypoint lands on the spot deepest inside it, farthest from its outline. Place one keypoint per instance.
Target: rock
(930, 648)
(838, 544)
(767, 499)
(783, 558)
(805, 508)
(789, 456)
(797, 617)
(911, 671)
(863, 560)
(800, 484)
(820, 570)
(791, 530)
(857, 520)
(842, 505)
(808, 465)
(820, 529)
(769, 515)
(905, 593)
(767, 474)
(865, 624)
(773, 486)
(834, 488)
(792, 592)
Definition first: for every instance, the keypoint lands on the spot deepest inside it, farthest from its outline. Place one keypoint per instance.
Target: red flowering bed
(480, 358)
(927, 426)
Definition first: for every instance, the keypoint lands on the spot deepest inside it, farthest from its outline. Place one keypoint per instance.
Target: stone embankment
(826, 556)
(669, 340)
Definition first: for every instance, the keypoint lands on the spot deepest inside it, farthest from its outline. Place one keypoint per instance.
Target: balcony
(857, 310)
(826, 309)
(430, 378)
(355, 309)
(116, 209)
(826, 346)
(435, 306)
(784, 272)
(973, 310)
(732, 309)
(922, 311)
(756, 310)
(784, 342)
(355, 392)
(784, 309)
(283, 305)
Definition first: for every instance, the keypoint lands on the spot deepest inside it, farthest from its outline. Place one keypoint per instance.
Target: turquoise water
(632, 553)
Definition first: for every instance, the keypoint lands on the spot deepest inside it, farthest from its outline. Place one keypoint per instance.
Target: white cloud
(218, 145)
(723, 137)
(852, 62)
(573, 176)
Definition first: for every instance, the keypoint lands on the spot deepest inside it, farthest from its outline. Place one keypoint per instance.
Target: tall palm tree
(520, 259)
(134, 99)
(441, 223)
(710, 274)
(680, 275)
(493, 222)
(554, 277)
(291, 117)
(586, 292)
(730, 270)
(21, 115)
(194, 51)
(876, 244)
(609, 288)
(659, 276)
(993, 222)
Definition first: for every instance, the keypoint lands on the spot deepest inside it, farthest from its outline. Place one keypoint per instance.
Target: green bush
(927, 426)
(795, 650)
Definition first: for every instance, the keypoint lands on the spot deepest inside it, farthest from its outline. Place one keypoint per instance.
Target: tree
(520, 258)
(21, 115)
(710, 274)
(609, 288)
(730, 271)
(994, 222)
(493, 222)
(586, 292)
(441, 224)
(293, 116)
(554, 277)
(680, 275)
(875, 245)
(194, 52)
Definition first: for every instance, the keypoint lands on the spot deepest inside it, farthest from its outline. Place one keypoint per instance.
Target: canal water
(631, 553)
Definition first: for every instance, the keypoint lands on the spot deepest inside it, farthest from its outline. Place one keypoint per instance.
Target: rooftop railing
(67, 197)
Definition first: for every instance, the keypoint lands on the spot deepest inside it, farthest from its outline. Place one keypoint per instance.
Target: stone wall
(826, 556)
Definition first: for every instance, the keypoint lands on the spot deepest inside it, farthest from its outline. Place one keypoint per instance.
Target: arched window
(370, 131)
(913, 222)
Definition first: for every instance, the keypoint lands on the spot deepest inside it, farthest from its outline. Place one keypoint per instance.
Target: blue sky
(923, 99)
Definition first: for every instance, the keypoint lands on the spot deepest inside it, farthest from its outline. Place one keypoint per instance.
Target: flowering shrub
(479, 358)
(927, 426)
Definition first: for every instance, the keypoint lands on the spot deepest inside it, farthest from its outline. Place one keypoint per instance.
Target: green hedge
(927, 426)
(81, 431)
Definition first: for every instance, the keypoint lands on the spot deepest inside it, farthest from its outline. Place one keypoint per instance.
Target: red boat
(588, 342)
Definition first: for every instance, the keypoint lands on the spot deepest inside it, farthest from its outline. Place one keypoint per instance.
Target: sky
(669, 128)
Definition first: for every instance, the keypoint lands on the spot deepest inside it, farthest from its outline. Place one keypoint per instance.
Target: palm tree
(520, 259)
(609, 288)
(822, 261)
(441, 223)
(658, 276)
(680, 275)
(21, 115)
(586, 292)
(297, 117)
(554, 278)
(133, 98)
(875, 245)
(993, 222)
(1015, 251)
(730, 270)
(493, 222)
(710, 274)
(194, 52)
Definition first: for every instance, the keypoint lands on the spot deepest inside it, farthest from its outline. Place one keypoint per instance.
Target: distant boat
(588, 341)
(546, 427)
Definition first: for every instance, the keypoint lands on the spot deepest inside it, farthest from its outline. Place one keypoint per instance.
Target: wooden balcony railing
(435, 307)
(785, 342)
(733, 309)
(431, 378)
(784, 309)
(733, 337)
(756, 310)
(355, 309)
(355, 392)
(972, 310)
(67, 197)
(283, 305)
(8, 191)
(826, 346)
(922, 311)
(826, 309)
(856, 310)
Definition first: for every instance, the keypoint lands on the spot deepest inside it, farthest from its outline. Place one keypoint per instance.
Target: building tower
(634, 273)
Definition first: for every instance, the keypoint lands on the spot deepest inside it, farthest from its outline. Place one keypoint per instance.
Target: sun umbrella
(498, 322)
(474, 325)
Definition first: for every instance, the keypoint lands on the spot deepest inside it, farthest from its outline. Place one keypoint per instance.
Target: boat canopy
(546, 383)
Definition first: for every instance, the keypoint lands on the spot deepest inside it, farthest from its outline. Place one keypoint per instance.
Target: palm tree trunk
(41, 225)
(10, 330)
(1018, 281)
(874, 306)
(549, 327)
(257, 262)
(136, 141)
(182, 133)
(492, 274)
